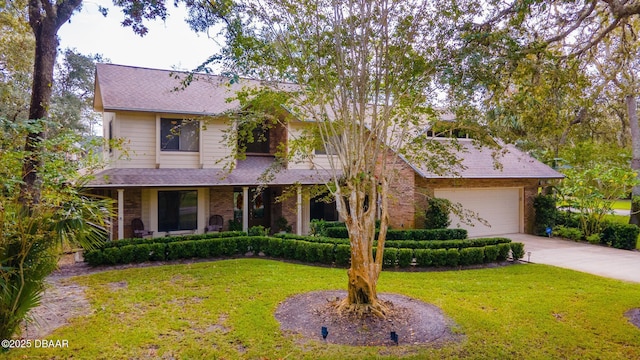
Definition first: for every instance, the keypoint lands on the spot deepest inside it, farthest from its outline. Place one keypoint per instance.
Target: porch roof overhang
(145, 177)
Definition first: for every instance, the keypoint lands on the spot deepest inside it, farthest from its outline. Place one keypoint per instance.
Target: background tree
(41, 201)
(363, 71)
(16, 40)
(72, 100)
(599, 36)
(45, 19)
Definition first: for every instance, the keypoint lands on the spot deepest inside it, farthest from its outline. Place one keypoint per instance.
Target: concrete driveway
(593, 259)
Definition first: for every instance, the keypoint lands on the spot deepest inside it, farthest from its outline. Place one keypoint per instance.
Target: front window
(177, 210)
(179, 135)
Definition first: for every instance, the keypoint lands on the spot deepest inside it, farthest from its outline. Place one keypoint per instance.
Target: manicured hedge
(409, 244)
(305, 251)
(168, 239)
(620, 236)
(414, 234)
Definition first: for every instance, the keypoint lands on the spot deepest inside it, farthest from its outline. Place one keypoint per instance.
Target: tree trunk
(630, 100)
(363, 274)
(45, 20)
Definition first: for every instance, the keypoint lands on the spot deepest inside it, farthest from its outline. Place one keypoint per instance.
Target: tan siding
(179, 160)
(296, 131)
(214, 147)
(138, 131)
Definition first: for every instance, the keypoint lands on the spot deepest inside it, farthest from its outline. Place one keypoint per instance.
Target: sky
(168, 45)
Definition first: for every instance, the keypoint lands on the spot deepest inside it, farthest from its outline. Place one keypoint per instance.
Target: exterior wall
(141, 135)
(530, 186)
(278, 138)
(221, 203)
(319, 161)
(132, 210)
(402, 199)
(137, 130)
(213, 147)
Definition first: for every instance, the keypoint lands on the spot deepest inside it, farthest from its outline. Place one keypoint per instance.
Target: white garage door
(499, 207)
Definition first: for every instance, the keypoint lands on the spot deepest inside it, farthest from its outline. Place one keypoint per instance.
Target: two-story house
(170, 173)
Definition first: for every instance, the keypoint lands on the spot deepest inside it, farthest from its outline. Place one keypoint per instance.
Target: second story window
(179, 135)
(258, 142)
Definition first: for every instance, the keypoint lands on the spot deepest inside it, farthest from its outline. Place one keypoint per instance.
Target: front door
(259, 206)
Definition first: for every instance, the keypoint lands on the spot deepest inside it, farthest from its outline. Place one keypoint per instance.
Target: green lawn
(225, 310)
(622, 205)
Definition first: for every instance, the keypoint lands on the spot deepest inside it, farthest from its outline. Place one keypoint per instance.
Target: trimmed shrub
(424, 257)
(405, 256)
(94, 257)
(274, 247)
(453, 257)
(157, 252)
(491, 253)
(181, 250)
(439, 257)
(289, 249)
(389, 257)
(343, 254)
(503, 251)
(140, 253)
(416, 234)
(517, 251)
(168, 239)
(111, 256)
(325, 253)
(471, 256)
(336, 232)
(620, 236)
(626, 237)
(427, 234)
(437, 214)
(545, 213)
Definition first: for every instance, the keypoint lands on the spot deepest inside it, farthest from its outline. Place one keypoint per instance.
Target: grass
(225, 310)
(622, 205)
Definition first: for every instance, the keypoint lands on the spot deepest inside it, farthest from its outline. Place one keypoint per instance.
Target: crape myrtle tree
(359, 76)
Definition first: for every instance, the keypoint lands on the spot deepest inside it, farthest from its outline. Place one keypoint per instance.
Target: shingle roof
(248, 172)
(120, 87)
(480, 163)
(129, 88)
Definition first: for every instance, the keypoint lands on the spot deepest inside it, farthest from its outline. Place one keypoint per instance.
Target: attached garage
(501, 208)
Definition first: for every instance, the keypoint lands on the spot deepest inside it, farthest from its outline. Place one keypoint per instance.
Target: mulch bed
(415, 322)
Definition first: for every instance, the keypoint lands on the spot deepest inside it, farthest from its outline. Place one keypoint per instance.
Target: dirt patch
(61, 301)
(413, 321)
(634, 316)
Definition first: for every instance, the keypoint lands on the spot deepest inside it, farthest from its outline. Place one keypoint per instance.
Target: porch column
(245, 208)
(299, 211)
(120, 214)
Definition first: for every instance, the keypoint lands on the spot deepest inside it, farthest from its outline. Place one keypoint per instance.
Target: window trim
(164, 137)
